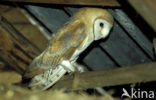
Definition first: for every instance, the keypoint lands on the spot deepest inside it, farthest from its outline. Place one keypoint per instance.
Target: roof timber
(73, 2)
(147, 9)
(18, 43)
(132, 74)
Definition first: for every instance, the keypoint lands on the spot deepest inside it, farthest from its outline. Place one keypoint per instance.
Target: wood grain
(10, 77)
(20, 41)
(147, 9)
(125, 75)
(73, 2)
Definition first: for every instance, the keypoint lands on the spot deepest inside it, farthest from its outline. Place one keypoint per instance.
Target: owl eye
(101, 25)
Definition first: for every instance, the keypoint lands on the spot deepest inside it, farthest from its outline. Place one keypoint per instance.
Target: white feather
(101, 32)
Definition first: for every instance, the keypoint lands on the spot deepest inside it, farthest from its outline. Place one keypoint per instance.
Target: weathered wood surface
(73, 2)
(9, 77)
(16, 17)
(20, 41)
(147, 9)
(125, 75)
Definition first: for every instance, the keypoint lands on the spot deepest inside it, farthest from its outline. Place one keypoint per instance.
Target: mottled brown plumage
(67, 44)
(61, 47)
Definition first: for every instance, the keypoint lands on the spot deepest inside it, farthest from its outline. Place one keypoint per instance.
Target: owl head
(98, 22)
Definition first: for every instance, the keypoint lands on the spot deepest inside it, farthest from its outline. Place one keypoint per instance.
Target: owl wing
(61, 47)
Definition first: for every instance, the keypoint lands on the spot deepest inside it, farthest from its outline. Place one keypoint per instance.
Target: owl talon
(68, 66)
(78, 67)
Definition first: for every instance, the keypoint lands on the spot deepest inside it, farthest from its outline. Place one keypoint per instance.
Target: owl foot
(72, 67)
(68, 66)
(78, 67)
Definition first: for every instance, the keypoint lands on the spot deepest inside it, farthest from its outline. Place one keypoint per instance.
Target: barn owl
(85, 26)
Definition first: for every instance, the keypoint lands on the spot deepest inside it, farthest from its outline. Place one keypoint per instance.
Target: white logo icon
(137, 93)
(125, 93)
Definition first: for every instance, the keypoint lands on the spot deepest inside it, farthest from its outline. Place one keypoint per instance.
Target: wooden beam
(147, 9)
(20, 41)
(9, 77)
(73, 2)
(125, 75)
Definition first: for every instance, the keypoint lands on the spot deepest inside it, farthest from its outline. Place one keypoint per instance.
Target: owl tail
(47, 79)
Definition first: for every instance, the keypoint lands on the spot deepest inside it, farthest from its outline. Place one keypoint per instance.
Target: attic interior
(125, 60)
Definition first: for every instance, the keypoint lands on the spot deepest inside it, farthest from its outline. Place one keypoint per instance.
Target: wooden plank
(147, 9)
(73, 2)
(9, 77)
(20, 41)
(119, 76)
(23, 25)
(133, 31)
(14, 49)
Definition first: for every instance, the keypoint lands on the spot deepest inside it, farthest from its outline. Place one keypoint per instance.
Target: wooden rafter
(125, 75)
(18, 43)
(73, 2)
(147, 9)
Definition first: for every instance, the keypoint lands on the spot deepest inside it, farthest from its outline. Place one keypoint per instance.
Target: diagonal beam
(18, 42)
(147, 9)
